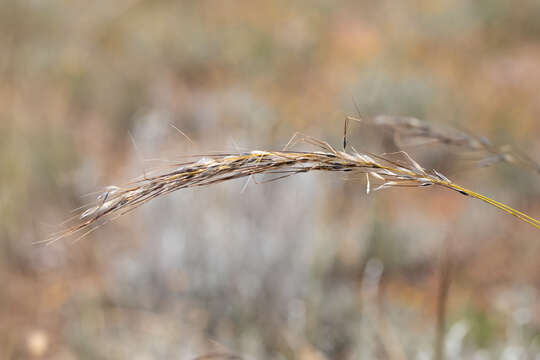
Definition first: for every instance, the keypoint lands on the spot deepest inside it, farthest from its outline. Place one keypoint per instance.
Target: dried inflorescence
(412, 131)
(216, 168)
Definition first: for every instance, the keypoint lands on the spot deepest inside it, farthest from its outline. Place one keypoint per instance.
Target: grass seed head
(212, 169)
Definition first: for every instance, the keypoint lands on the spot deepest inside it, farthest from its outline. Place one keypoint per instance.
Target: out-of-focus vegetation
(307, 268)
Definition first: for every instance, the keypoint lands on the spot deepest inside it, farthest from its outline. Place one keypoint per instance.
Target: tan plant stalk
(211, 169)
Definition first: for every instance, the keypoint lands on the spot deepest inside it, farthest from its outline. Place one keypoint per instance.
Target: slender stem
(522, 216)
(442, 299)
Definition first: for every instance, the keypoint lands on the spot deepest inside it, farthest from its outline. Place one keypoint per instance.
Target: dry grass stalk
(445, 279)
(380, 173)
(417, 132)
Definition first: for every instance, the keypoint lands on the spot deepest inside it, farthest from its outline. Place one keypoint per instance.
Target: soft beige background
(306, 268)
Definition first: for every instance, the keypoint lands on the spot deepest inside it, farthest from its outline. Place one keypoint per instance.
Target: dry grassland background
(306, 268)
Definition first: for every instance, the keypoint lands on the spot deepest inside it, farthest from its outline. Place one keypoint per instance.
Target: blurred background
(307, 268)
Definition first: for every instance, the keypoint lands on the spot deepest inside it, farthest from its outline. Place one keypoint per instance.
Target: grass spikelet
(418, 132)
(216, 168)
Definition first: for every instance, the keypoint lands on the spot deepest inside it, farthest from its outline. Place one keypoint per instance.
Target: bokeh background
(307, 268)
